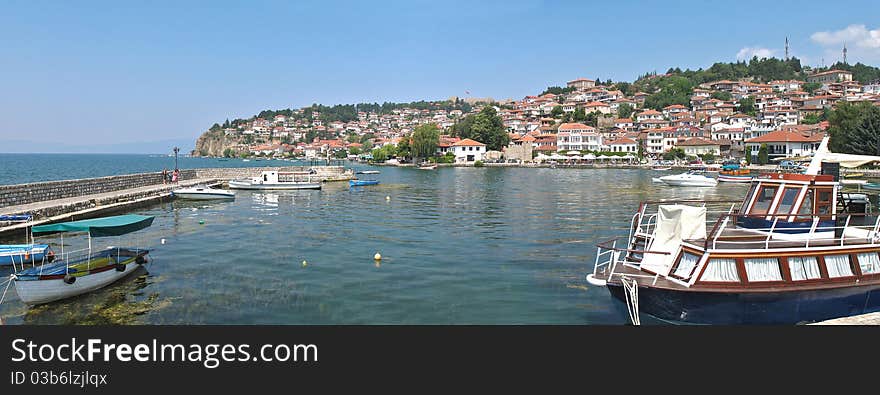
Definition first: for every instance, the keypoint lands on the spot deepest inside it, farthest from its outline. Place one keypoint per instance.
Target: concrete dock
(70, 200)
(862, 319)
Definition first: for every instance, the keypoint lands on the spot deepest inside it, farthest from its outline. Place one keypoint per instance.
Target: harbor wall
(19, 194)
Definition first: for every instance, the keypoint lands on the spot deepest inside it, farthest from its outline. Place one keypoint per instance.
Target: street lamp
(176, 150)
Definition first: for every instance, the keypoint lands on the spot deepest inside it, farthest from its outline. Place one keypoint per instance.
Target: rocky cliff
(213, 143)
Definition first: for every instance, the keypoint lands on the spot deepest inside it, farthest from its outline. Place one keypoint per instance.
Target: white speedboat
(279, 180)
(202, 192)
(689, 179)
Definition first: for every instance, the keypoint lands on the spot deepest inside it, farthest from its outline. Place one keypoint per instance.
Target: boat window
(823, 202)
(804, 268)
(789, 195)
(749, 195)
(869, 262)
(807, 205)
(722, 270)
(686, 265)
(763, 269)
(838, 266)
(763, 200)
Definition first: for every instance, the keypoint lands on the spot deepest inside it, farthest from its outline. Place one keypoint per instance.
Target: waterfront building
(785, 143)
(697, 146)
(624, 144)
(468, 151)
(578, 137)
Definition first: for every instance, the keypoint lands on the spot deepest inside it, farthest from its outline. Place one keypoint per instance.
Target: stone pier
(70, 200)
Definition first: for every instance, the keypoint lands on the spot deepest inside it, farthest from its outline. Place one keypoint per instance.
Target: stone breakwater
(53, 201)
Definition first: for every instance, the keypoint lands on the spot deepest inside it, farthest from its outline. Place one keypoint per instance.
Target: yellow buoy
(305, 263)
(377, 257)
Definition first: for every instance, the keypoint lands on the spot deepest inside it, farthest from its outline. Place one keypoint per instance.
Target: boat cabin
(281, 177)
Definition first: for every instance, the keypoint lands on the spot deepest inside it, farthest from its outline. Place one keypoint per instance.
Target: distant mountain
(142, 147)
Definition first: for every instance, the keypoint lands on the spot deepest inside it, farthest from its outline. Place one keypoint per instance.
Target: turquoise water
(24, 168)
(459, 246)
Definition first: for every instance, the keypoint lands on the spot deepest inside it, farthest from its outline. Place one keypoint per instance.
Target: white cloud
(852, 35)
(747, 53)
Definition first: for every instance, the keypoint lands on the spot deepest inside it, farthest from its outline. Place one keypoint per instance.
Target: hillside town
(732, 119)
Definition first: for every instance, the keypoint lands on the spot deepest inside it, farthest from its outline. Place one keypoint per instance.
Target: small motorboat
(368, 172)
(690, 179)
(19, 254)
(661, 168)
(854, 175)
(360, 183)
(202, 192)
(427, 166)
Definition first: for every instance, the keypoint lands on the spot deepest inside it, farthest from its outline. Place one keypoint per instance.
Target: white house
(784, 143)
(468, 151)
(648, 115)
(624, 145)
(578, 137)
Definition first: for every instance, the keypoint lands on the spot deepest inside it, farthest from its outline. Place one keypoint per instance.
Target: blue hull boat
(23, 253)
(360, 183)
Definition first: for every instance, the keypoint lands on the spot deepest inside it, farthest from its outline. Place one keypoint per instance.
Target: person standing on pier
(175, 175)
(164, 175)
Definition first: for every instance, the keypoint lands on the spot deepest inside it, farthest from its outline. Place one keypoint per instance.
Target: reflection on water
(458, 245)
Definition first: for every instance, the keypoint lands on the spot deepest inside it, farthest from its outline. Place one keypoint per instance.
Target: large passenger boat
(794, 250)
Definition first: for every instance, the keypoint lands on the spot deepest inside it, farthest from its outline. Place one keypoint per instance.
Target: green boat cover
(97, 227)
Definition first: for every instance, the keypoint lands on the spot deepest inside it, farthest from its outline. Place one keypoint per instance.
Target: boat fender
(68, 279)
(140, 260)
(120, 267)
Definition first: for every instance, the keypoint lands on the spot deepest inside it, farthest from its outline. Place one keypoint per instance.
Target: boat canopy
(106, 226)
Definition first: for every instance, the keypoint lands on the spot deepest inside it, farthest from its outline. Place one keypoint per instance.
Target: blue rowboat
(360, 183)
(23, 253)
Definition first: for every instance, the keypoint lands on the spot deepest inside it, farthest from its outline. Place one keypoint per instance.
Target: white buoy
(377, 257)
(305, 263)
(387, 197)
(163, 241)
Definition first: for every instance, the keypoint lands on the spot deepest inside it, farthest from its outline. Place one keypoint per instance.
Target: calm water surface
(459, 246)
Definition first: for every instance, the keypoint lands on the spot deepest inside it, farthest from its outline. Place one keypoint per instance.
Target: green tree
(425, 140)
(849, 126)
(556, 90)
(670, 90)
(747, 106)
(556, 111)
(722, 95)
(488, 129)
(625, 110)
(708, 157)
(674, 153)
(763, 156)
(404, 148)
(811, 87)
(579, 115)
(354, 151)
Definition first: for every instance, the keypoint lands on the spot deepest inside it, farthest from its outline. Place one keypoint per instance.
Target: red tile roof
(574, 126)
(469, 143)
(782, 136)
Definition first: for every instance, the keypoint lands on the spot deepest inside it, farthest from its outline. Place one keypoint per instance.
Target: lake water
(24, 168)
(459, 246)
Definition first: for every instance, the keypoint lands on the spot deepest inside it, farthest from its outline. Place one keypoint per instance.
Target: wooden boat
(360, 183)
(661, 168)
(427, 166)
(77, 272)
(278, 180)
(854, 175)
(788, 253)
(202, 192)
(18, 255)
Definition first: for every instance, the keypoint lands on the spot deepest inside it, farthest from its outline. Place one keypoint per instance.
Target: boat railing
(608, 255)
(867, 229)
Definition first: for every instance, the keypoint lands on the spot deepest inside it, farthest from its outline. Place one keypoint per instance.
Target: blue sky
(79, 73)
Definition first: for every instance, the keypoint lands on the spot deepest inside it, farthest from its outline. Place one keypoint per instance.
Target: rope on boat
(8, 283)
(631, 292)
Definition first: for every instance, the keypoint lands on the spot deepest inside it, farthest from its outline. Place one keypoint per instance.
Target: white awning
(849, 160)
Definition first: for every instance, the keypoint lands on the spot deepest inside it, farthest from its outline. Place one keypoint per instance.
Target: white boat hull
(276, 186)
(34, 292)
(743, 179)
(690, 183)
(203, 196)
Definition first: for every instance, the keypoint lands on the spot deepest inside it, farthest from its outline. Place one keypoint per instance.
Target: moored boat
(689, 179)
(360, 183)
(80, 271)
(202, 192)
(790, 252)
(427, 166)
(734, 178)
(21, 254)
(278, 180)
